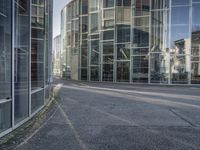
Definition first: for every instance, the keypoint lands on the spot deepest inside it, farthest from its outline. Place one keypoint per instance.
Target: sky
(58, 5)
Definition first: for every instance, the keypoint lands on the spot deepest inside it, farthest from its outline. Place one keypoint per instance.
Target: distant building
(136, 41)
(25, 60)
(57, 56)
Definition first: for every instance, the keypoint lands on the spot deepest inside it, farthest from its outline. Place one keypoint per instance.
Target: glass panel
(84, 57)
(140, 69)
(159, 31)
(108, 3)
(141, 37)
(37, 64)
(93, 5)
(159, 68)
(108, 48)
(180, 2)
(5, 116)
(123, 52)
(21, 59)
(83, 73)
(84, 9)
(84, 24)
(109, 14)
(196, 72)
(5, 49)
(37, 100)
(160, 4)
(180, 68)
(94, 23)
(195, 44)
(141, 7)
(123, 14)
(108, 35)
(108, 24)
(123, 33)
(180, 15)
(140, 51)
(94, 73)
(95, 52)
(123, 71)
(107, 72)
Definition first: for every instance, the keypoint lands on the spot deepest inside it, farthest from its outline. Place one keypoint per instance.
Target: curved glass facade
(136, 41)
(25, 48)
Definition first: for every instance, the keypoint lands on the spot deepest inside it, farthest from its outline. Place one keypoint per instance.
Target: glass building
(136, 41)
(25, 60)
(57, 56)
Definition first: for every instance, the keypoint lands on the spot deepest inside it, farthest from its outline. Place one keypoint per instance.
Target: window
(108, 3)
(93, 4)
(94, 23)
(5, 49)
(123, 33)
(21, 59)
(123, 71)
(108, 35)
(123, 52)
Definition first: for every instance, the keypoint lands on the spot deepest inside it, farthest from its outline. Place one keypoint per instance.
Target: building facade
(25, 60)
(57, 56)
(136, 41)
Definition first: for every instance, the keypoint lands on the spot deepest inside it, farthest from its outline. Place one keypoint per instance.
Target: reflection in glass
(95, 52)
(5, 49)
(37, 100)
(107, 72)
(5, 116)
(123, 52)
(140, 69)
(159, 67)
(123, 71)
(21, 59)
(94, 76)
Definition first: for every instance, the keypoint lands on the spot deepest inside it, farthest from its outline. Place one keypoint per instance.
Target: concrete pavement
(106, 116)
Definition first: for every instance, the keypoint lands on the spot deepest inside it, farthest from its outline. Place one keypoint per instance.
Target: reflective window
(123, 52)
(5, 116)
(94, 73)
(108, 24)
(94, 23)
(107, 72)
(141, 7)
(5, 49)
(93, 4)
(195, 44)
(180, 67)
(123, 14)
(123, 33)
(123, 71)
(37, 51)
(37, 100)
(180, 15)
(159, 68)
(140, 69)
(108, 3)
(160, 4)
(108, 14)
(84, 7)
(159, 31)
(141, 37)
(108, 35)
(84, 73)
(21, 59)
(180, 2)
(95, 55)
(84, 24)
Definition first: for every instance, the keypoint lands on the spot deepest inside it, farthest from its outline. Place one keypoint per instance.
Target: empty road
(107, 116)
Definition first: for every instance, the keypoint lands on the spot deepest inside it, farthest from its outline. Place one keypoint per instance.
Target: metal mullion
(30, 41)
(149, 54)
(190, 31)
(13, 63)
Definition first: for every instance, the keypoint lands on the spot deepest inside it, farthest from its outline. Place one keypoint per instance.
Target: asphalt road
(107, 116)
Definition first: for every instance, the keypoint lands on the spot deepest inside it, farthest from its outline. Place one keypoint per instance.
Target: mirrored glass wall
(137, 41)
(25, 48)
